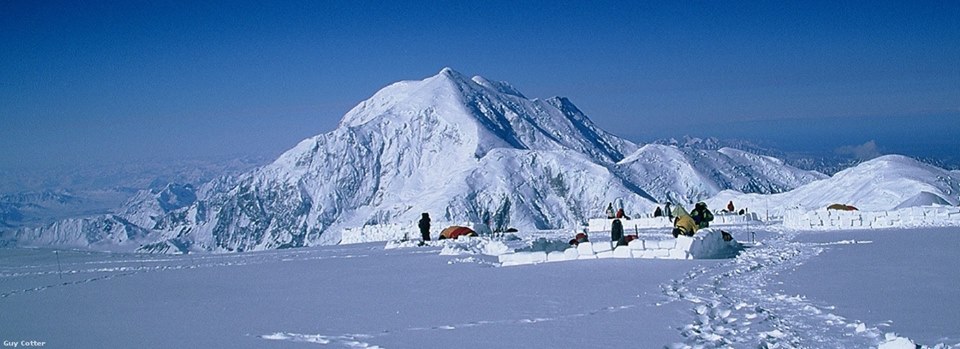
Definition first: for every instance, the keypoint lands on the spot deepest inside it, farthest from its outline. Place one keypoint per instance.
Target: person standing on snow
(668, 211)
(701, 215)
(616, 230)
(610, 214)
(425, 226)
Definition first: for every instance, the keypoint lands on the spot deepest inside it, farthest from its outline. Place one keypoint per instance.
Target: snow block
(571, 253)
(622, 252)
(512, 259)
(661, 254)
(655, 253)
(683, 243)
(678, 254)
(603, 246)
(667, 244)
(537, 257)
(557, 256)
(585, 249)
(522, 258)
(605, 254)
(636, 244)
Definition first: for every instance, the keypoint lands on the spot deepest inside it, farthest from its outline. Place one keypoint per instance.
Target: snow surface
(452, 294)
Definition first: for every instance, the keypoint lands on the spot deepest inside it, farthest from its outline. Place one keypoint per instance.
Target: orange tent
(455, 231)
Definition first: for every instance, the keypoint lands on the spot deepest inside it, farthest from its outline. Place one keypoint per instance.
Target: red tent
(841, 207)
(455, 231)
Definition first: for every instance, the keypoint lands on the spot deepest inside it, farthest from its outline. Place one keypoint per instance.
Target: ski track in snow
(355, 340)
(123, 271)
(732, 305)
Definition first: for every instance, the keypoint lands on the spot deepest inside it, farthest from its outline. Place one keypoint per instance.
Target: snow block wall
(734, 219)
(706, 244)
(397, 231)
(925, 216)
(630, 225)
(380, 232)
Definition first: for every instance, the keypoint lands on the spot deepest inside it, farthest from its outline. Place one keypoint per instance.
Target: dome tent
(842, 207)
(455, 231)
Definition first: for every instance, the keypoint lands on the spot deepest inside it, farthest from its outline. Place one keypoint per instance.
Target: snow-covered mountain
(884, 183)
(687, 175)
(37, 208)
(462, 149)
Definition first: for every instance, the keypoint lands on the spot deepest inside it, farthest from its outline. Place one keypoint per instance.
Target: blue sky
(116, 81)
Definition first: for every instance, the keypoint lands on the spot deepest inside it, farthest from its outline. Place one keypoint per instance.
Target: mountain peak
(451, 75)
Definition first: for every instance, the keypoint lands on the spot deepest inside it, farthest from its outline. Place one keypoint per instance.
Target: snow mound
(886, 183)
(924, 198)
(455, 247)
(472, 246)
(892, 341)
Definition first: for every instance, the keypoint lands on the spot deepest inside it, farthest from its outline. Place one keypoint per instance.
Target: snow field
(925, 216)
(350, 296)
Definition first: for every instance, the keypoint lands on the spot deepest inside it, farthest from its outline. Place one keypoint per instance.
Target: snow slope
(688, 175)
(884, 183)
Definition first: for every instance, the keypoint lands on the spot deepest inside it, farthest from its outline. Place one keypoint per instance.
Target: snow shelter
(455, 231)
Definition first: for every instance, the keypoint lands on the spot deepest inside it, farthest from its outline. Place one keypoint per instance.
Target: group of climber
(618, 215)
(616, 235)
(688, 223)
(683, 223)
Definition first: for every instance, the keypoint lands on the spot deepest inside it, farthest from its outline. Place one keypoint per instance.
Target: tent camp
(841, 207)
(455, 231)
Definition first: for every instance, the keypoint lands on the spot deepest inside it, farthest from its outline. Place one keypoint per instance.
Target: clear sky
(115, 81)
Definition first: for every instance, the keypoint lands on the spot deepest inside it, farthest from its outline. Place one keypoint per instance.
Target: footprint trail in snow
(732, 305)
